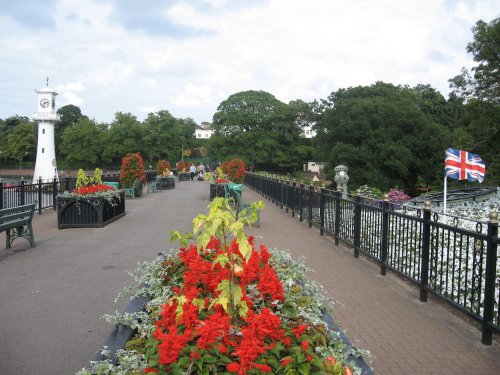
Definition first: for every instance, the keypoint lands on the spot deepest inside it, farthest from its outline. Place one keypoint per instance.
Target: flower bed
(91, 204)
(220, 305)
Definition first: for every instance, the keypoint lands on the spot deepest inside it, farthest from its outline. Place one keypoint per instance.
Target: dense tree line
(261, 130)
(387, 135)
(80, 140)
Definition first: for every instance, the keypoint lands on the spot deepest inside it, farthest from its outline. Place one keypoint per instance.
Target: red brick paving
(381, 314)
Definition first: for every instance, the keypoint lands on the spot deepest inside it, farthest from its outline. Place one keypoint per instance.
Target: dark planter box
(165, 183)
(89, 212)
(121, 334)
(360, 362)
(217, 191)
(184, 176)
(138, 190)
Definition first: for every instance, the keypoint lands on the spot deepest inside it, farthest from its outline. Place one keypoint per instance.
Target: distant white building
(309, 132)
(204, 131)
(306, 125)
(314, 167)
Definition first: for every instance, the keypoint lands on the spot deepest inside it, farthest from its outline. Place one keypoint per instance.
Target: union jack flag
(462, 165)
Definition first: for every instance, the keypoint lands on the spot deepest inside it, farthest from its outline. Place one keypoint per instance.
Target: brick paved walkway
(52, 297)
(381, 314)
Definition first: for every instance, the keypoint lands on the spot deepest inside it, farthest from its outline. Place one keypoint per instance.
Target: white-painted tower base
(46, 116)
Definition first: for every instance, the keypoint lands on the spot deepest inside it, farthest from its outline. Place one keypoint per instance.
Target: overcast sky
(186, 57)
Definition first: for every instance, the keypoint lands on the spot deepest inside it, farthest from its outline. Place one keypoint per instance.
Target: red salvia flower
(286, 361)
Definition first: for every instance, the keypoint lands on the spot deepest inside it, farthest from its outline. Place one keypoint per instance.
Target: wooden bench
(241, 206)
(16, 222)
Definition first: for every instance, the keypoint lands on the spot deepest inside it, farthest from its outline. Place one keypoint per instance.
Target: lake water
(15, 179)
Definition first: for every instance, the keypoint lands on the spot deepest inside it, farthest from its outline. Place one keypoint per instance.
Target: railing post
(310, 213)
(1, 194)
(322, 212)
(294, 184)
(275, 191)
(338, 195)
(490, 277)
(426, 246)
(22, 192)
(357, 226)
(385, 236)
(282, 195)
(54, 192)
(270, 188)
(301, 211)
(66, 183)
(39, 195)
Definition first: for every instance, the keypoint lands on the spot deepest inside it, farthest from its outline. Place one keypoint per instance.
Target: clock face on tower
(44, 103)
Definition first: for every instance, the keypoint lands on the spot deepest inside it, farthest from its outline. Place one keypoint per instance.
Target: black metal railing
(457, 264)
(45, 192)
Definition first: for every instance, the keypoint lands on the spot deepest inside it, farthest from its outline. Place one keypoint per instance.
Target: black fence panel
(457, 264)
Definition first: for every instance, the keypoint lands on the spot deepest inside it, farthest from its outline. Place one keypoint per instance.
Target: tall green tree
(21, 142)
(6, 127)
(124, 136)
(479, 89)
(69, 115)
(81, 143)
(162, 136)
(382, 136)
(256, 127)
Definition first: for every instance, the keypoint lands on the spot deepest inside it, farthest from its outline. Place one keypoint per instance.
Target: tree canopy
(69, 115)
(258, 128)
(124, 136)
(21, 141)
(384, 134)
(478, 129)
(81, 142)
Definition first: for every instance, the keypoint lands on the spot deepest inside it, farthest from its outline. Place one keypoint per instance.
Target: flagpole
(445, 188)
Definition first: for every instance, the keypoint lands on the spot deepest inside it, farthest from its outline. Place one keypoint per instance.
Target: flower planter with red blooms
(234, 170)
(220, 305)
(132, 169)
(90, 207)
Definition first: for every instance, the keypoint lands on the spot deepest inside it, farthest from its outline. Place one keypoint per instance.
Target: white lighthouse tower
(46, 116)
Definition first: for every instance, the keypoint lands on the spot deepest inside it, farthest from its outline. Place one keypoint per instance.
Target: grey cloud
(148, 16)
(32, 14)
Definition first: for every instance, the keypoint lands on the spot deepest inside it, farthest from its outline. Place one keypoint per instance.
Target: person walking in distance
(192, 170)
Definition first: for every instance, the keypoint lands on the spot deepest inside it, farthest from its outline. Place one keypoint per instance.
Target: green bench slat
(16, 222)
(242, 205)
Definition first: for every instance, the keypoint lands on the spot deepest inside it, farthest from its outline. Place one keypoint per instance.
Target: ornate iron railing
(45, 192)
(458, 265)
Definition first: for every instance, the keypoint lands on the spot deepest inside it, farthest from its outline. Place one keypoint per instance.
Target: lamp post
(182, 150)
